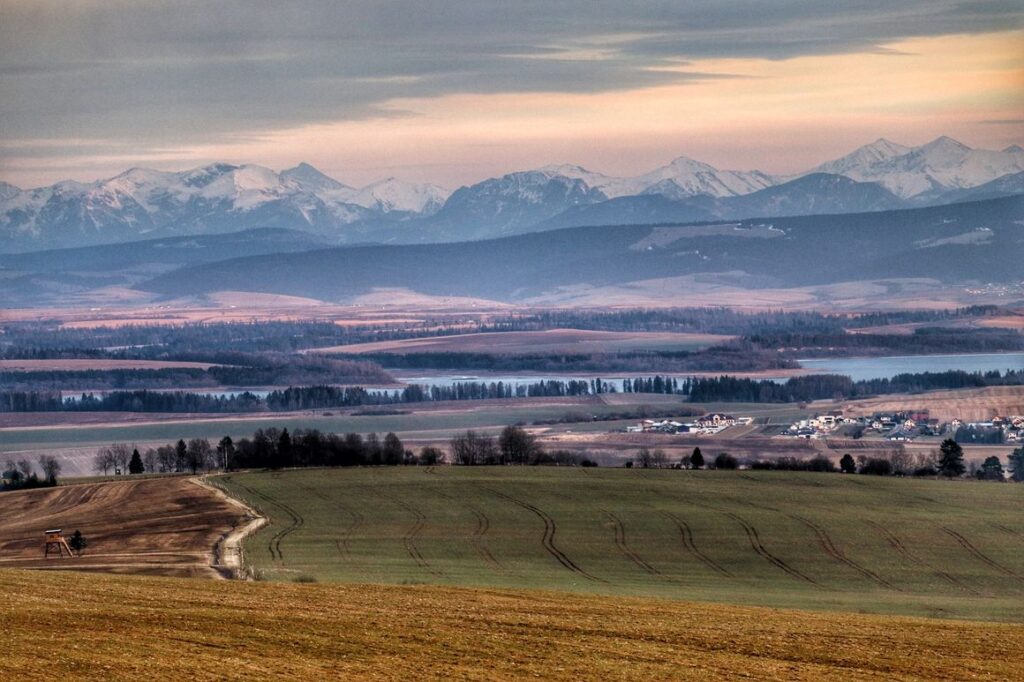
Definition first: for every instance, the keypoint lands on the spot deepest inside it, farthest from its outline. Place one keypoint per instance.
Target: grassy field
(818, 541)
(79, 626)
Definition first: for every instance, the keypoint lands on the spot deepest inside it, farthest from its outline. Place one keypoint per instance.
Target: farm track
(483, 524)
(753, 537)
(686, 535)
(341, 542)
(978, 554)
(623, 546)
(548, 539)
(826, 543)
(295, 521)
(758, 546)
(1007, 530)
(409, 539)
(902, 550)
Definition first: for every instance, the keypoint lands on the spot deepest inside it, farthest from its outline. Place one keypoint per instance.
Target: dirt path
(227, 555)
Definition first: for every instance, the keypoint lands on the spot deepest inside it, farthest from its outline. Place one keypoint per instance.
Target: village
(908, 426)
(893, 426)
(707, 424)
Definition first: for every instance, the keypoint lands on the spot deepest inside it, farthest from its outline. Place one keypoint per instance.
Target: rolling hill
(958, 243)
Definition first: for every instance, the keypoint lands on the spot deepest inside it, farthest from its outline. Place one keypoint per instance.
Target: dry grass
(165, 526)
(114, 627)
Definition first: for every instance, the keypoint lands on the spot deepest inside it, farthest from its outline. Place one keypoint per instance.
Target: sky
(452, 92)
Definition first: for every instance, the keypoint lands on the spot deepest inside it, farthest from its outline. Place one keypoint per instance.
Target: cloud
(168, 72)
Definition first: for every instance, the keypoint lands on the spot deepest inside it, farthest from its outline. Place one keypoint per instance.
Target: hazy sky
(457, 91)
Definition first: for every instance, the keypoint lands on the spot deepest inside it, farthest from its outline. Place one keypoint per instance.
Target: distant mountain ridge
(953, 244)
(219, 198)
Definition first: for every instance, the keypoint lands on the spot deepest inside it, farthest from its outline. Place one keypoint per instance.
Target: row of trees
(834, 386)
(514, 445)
(948, 462)
(22, 473)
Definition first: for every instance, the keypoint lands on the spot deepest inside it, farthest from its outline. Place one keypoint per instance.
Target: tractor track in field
(977, 553)
(295, 521)
(753, 537)
(826, 543)
(624, 548)
(548, 539)
(686, 535)
(1007, 530)
(902, 550)
(341, 543)
(409, 539)
(483, 524)
(758, 546)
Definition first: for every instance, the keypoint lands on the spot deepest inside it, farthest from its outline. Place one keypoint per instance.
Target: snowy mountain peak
(390, 195)
(311, 178)
(7, 191)
(1014, 149)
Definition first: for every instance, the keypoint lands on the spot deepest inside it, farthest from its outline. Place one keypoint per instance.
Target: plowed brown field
(166, 526)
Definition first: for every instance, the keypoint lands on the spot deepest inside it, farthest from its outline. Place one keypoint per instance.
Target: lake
(888, 367)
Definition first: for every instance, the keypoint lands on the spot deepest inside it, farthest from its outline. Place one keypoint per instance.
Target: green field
(819, 541)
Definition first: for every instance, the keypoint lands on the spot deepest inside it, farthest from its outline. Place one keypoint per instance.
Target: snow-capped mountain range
(142, 203)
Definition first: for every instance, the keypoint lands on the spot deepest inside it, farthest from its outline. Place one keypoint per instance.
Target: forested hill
(978, 241)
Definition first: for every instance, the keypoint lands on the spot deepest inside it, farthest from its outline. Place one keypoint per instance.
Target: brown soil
(160, 526)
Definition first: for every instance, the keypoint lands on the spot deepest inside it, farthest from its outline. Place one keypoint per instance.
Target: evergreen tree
(1016, 464)
(697, 459)
(392, 451)
(991, 469)
(951, 459)
(847, 465)
(135, 465)
(180, 455)
(78, 542)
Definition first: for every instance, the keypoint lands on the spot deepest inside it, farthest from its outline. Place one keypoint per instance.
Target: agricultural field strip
(174, 629)
(616, 532)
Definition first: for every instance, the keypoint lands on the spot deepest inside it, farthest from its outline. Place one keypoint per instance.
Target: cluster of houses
(1011, 427)
(902, 426)
(706, 424)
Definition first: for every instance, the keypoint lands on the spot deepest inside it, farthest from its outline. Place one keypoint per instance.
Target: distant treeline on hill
(238, 369)
(833, 386)
(734, 357)
(725, 320)
(40, 341)
(922, 342)
(295, 398)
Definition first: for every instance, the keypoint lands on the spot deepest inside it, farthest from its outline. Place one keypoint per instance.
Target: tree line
(274, 448)
(22, 475)
(227, 369)
(947, 462)
(834, 386)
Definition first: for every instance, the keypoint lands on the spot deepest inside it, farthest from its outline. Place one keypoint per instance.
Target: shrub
(876, 466)
(725, 461)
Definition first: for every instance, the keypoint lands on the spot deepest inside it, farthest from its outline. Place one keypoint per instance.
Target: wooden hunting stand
(55, 542)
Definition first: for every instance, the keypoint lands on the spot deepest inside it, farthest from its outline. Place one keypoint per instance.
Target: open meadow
(781, 539)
